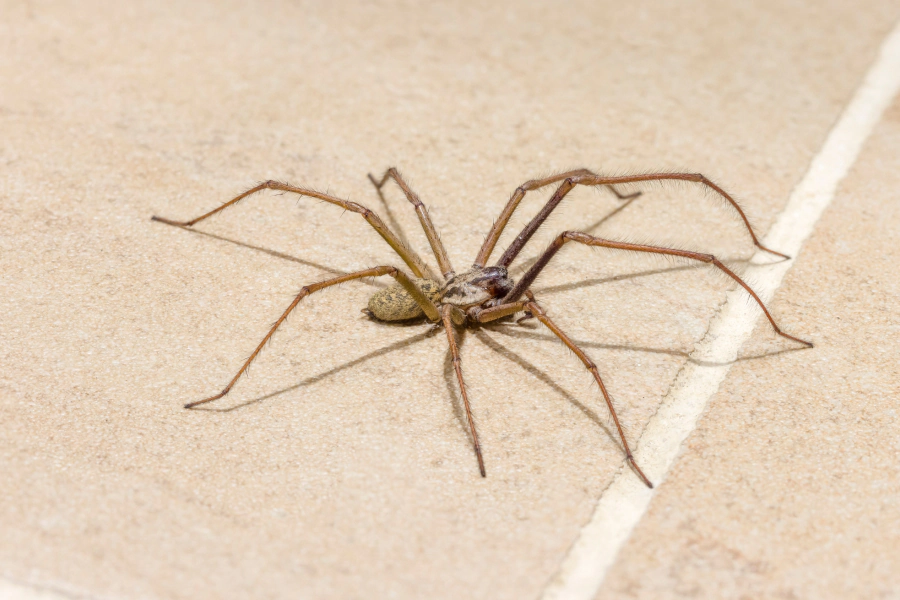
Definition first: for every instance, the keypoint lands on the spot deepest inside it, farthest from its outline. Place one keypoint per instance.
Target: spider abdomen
(394, 303)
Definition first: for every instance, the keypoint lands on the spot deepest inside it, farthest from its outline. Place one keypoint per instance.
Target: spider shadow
(452, 389)
(543, 377)
(274, 253)
(389, 215)
(525, 333)
(522, 333)
(566, 287)
(410, 341)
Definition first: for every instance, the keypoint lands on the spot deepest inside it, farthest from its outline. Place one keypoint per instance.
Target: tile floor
(342, 467)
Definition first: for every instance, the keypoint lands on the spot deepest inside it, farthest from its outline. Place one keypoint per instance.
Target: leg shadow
(274, 253)
(541, 376)
(520, 332)
(321, 376)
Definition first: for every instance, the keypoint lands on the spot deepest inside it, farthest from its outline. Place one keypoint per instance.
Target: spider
(483, 293)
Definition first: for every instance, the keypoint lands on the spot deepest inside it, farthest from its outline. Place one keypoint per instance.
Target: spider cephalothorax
(478, 286)
(484, 293)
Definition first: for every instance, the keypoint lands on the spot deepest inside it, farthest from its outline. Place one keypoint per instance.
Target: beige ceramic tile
(345, 469)
(789, 486)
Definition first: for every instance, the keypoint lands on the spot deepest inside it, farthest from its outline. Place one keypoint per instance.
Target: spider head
(477, 286)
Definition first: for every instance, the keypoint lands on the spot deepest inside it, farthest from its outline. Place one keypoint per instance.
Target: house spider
(481, 293)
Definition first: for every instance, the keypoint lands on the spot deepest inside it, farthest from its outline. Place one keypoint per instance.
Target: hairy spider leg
(391, 220)
(541, 316)
(437, 247)
(591, 179)
(448, 320)
(409, 256)
(427, 306)
(493, 235)
(583, 238)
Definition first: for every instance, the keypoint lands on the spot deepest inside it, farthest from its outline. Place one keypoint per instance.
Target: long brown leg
(427, 306)
(446, 317)
(494, 234)
(407, 254)
(591, 179)
(582, 238)
(541, 316)
(440, 253)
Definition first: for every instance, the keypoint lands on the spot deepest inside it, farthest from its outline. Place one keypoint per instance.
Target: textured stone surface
(789, 487)
(344, 468)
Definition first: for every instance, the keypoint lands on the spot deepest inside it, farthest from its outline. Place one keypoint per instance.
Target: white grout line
(627, 499)
(13, 590)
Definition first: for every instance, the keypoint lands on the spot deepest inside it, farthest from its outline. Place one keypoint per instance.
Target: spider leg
(582, 238)
(437, 247)
(541, 316)
(590, 179)
(427, 306)
(447, 318)
(390, 220)
(408, 255)
(534, 184)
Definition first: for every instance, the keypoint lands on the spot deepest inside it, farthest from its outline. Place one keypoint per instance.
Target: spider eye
(495, 271)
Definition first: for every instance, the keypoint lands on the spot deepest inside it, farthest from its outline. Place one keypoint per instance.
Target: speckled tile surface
(789, 486)
(344, 469)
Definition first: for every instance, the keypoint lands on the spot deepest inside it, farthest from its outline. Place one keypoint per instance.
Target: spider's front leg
(427, 305)
(588, 240)
(587, 178)
(512, 204)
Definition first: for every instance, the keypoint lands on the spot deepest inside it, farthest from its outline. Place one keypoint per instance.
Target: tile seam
(625, 501)
(14, 589)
